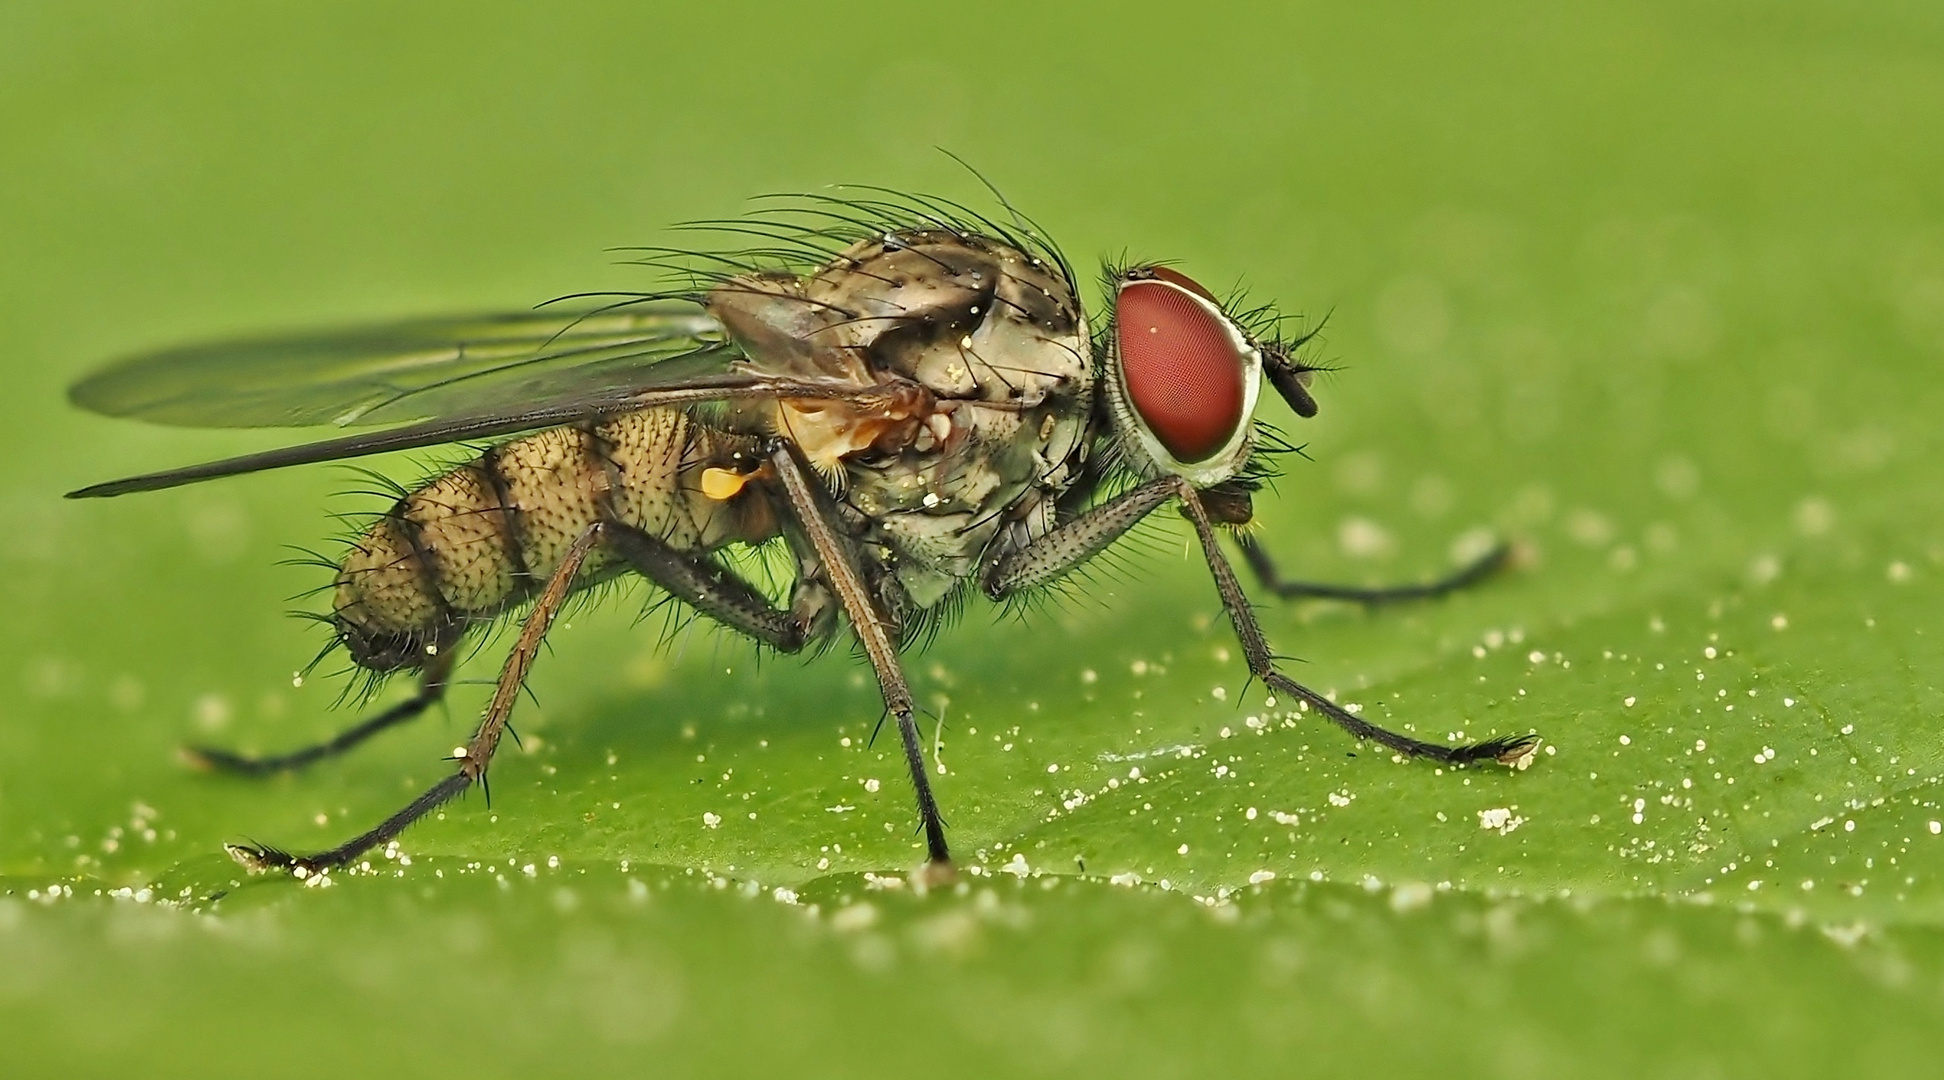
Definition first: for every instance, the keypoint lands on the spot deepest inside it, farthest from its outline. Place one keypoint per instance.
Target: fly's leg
(872, 632)
(1265, 572)
(708, 588)
(1050, 557)
(432, 688)
(476, 755)
(1509, 750)
(1063, 549)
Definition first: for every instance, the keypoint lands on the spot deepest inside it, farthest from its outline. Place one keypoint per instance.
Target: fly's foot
(1515, 752)
(211, 760)
(263, 859)
(933, 874)
(257, 858)
(199, 758)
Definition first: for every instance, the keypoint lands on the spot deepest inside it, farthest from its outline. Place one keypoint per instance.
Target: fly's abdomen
(472, 542)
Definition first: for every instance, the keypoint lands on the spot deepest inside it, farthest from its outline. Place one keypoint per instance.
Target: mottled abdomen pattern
(485, 536)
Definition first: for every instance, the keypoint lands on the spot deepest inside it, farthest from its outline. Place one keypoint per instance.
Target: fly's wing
(459, 378)
(406, 371)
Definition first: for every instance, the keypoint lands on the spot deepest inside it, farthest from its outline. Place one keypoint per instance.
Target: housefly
(903, 396)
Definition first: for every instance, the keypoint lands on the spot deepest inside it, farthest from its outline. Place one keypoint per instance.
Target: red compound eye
(1176, 277)
(1183, 363)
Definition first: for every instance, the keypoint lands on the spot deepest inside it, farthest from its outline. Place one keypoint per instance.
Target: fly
(904, 397)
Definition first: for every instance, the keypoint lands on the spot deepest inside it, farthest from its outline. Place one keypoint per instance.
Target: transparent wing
(437, 381)
(421, 369)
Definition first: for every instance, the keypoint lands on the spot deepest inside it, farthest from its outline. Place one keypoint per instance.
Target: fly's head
(1182, 375)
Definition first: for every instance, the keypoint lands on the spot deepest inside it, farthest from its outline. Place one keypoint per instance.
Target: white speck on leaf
(1499, 819)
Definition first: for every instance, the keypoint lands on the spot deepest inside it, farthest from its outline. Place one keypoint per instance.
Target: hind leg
(431, 689)
(475, 756)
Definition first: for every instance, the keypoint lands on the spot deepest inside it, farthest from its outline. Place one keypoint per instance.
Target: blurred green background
(1657, 290)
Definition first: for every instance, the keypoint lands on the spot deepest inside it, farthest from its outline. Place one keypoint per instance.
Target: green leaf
(1656, 293)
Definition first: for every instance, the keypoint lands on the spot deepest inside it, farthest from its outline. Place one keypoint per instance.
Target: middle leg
(711, 589)
(872, 632)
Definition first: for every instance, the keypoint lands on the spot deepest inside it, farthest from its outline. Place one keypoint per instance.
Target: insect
(901, 395)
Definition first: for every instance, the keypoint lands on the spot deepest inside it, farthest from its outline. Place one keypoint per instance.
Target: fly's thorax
(882, 305)
(967, 316)
(464, 546)
(996, 340)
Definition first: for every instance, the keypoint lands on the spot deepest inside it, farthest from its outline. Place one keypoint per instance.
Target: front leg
(1470, 574)
(1060, 551)
(1054, 555)
(1509, 750)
